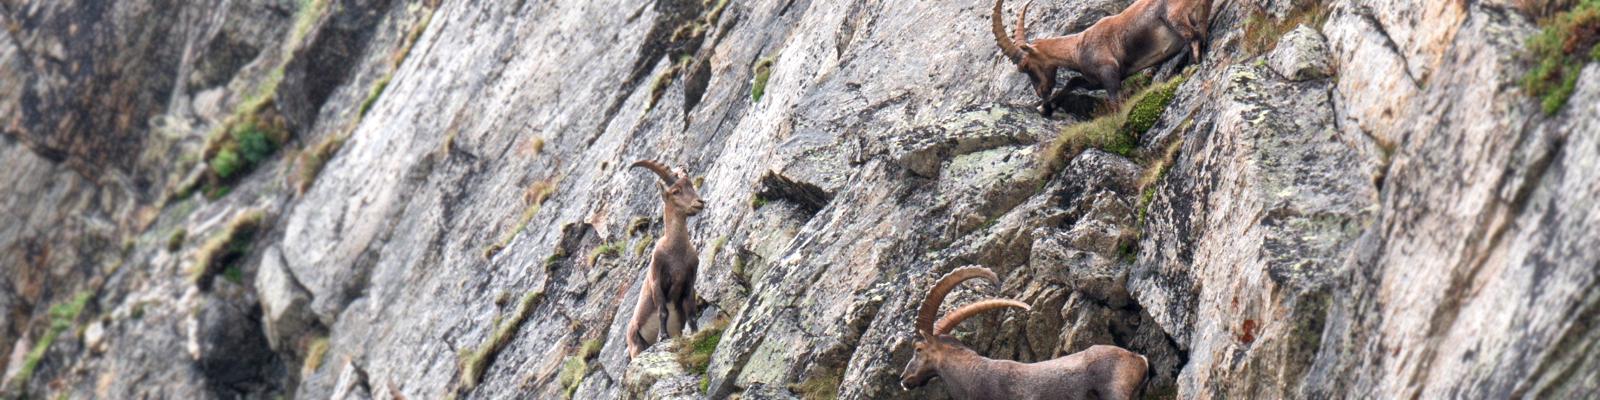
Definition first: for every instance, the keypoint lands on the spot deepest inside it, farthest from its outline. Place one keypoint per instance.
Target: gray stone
(1301, 55)
(285, 303)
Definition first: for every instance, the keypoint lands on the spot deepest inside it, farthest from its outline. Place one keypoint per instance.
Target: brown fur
(668, 290)
(1146, 34)
(1100, 372)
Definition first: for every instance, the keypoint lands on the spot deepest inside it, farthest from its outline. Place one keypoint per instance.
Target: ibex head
(677, 190)
(933, 344)
(1040, 70)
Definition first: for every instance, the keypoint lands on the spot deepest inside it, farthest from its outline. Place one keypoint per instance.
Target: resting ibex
(668, 290)
(1146, 34)
(1101, 372)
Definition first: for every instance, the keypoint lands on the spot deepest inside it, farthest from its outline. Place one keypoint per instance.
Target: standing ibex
(1142, 36)
(1101, 372)
(668, 290)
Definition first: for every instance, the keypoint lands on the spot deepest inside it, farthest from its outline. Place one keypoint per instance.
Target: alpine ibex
(668, 290)
(1146, 34)
(1101, 372)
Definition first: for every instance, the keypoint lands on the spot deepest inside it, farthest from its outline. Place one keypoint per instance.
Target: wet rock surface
(1372, 208)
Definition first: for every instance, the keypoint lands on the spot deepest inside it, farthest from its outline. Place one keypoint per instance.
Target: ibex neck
(1061, 51)
(968, 375)
(676, 224)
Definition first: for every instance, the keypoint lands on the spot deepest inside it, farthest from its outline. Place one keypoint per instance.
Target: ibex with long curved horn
(1146, 34)
(668, 290)
(1101, 372)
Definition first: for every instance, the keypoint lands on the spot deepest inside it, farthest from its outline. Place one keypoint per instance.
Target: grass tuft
(476, 360)
(1568, 40)
(1115, 131)
(613, 249)
(225, 249)
(756, 201)
(695, 354)
(533, 198)
(760, 72)
(1261, 32)
(315, 352)
(61, 317)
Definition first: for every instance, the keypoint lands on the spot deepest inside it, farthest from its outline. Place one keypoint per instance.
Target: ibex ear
(661, 186)
(1026, 48)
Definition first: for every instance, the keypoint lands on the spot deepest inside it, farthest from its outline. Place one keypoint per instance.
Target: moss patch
(760, 72)
(533, 198)
(61, 317)
(1116, 131)
(474, 361)
(1567, 41)
(612, 248)
(695, 352)
(225, 249)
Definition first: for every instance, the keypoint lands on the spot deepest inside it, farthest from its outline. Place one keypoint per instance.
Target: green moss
(1567, 41)
(226, 162)
(1116, 131)
(760, 72)
(372, 94)
(613, 249)
(61, 317)
(695, 355)
(1147, 110)
(476, 360)
(572, 371)
(756, 201)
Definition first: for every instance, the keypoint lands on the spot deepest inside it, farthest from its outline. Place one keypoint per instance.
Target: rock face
(1369, 207)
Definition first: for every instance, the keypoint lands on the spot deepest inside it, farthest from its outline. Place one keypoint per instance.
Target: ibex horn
(935, 297)
(1007, 47)
(665, 173)
(1020, 35)
(961, 314)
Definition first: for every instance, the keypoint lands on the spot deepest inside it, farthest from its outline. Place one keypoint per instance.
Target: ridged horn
(662, 171)
(1020, 34)
(935, 297)
(961, 314)
(1007, 47)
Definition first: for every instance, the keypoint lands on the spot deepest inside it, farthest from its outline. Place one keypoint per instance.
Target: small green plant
(1116, 131)
(613, 249)
(225, 163)
(695, 352)
(1567, 41)
(760, 72)
(61, 317)
(372, 94)
(756, 201)
(642, 244)
(233, 273)
(572, 371)
(475, 361)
